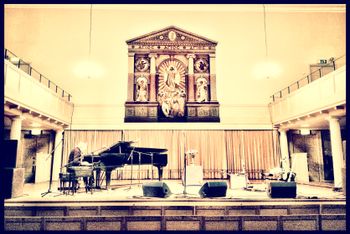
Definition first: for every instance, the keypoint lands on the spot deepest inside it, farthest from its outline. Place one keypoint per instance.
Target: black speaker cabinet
(13, 182)
(213, 189)
(9, 153)
(156, 189)
(282, 190)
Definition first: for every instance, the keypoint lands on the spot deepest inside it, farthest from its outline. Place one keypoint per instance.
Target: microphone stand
(185, 183)
(131, 157)
(51, 167)
(184, 193)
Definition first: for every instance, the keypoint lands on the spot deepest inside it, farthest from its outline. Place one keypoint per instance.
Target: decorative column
(190, 77)
(14, 176)
(15, 134)
(153, 57)
(284, 150)
(337, 151)
(212, 64)
(57, 154)
(130, 97)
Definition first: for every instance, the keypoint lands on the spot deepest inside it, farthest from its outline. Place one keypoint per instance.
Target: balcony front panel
(24, 90)
(319, 95)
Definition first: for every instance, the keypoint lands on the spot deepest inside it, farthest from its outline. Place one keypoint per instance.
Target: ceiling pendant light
(266, 69)
(89, 69)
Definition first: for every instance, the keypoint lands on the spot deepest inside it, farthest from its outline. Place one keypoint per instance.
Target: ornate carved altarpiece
(171, 78)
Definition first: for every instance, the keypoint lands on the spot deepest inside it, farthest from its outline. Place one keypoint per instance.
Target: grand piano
(123, 153)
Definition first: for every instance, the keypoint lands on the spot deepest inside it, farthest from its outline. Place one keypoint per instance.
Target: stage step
(13, 210)
(312, 222)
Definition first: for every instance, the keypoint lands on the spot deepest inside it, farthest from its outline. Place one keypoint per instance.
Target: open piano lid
(127, 145)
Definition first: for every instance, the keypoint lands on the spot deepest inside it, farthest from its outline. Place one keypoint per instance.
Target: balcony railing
(324, 69)
(27, 68)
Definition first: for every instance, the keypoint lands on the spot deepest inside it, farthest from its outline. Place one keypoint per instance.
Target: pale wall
(54, 40)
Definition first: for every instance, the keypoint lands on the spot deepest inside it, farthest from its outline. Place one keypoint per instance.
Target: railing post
(308, 79)
(49, 83)
(5, 55)
(56, 88)
(30, 70)
(298, 84)
(62, 93)
(19, 63)
(281, 94)
(69, 97)
(320, 73)
(288, 89)
(40, 78)
(333, 65)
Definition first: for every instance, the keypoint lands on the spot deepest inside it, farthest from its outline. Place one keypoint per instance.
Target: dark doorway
(327, 155)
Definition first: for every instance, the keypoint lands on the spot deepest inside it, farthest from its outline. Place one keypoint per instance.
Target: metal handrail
(322, 71)
(27, 68)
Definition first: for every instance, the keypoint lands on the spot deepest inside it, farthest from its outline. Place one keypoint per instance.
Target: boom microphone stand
(51, 166)
(185, 183)
(131, 157)
(184, 193)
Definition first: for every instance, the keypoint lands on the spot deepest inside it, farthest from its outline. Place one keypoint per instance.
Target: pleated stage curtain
(219, 151)
(210, 145)
(252, 152)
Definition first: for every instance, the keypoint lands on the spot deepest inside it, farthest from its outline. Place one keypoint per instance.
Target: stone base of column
(13, 182)
(203, 112)
(141, 112)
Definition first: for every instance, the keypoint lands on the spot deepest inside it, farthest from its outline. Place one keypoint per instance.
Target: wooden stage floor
(124, 208)
(123, 191)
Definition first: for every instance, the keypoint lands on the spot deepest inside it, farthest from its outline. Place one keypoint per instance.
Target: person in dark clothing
(75, 157)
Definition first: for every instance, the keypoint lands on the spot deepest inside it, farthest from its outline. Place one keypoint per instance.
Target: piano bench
(67, 183)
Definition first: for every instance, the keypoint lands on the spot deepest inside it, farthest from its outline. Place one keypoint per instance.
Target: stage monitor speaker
(156, 189)
(213, 189)
(282, 190)
(10, 153)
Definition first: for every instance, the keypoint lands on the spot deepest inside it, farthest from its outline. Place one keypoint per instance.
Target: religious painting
(172, 88)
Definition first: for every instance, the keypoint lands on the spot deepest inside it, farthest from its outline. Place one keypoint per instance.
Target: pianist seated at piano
(75, 160)
(75, 156)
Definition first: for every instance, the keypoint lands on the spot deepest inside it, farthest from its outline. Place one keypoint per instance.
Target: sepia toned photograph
(174, 117)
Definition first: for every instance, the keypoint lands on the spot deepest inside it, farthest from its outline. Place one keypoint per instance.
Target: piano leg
(160, 172)
(108, 178)
(98, 178)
